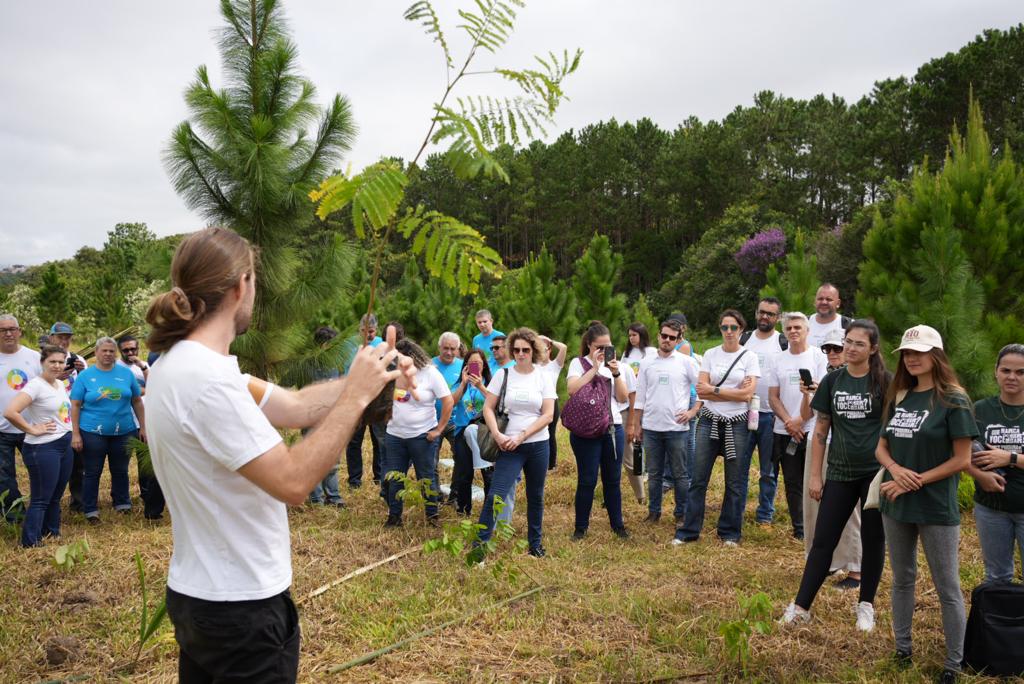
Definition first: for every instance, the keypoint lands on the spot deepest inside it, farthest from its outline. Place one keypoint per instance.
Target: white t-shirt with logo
(48, 403)
(231, 540)
(766, 351)
(663, 390)
(819, 331)
(636, 355)
(786, 376)
(715, 363)
(614, 407)
(412, 417)
(524, 399)
(15, 371)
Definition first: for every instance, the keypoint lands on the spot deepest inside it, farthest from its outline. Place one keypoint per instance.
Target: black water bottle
(638, 458)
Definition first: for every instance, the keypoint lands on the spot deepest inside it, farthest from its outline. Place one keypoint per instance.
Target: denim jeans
(9, 441)
(999, 532)
(532, 460)
(399, 454)
(768, 483)
(354, 454)
(326, 491)
(48, 466)
(593, 455)
(95, 450)
(737, 476)
(672, 447)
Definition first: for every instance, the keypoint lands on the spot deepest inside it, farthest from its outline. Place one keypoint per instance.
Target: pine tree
(797, 283)
(246, 160)
(595, 277)
(542, 302)
(52, 300)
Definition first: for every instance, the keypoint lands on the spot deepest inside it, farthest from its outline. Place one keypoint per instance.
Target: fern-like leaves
(491, 28)
(374, 195)
(545, 85)
(452, 251)
(424, 13)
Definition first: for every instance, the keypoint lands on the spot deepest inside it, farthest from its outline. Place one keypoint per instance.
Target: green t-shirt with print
(920, 434)
(1002, 427)
(856, 415)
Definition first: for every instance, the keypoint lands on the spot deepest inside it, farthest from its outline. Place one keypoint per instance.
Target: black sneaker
(948, 677)
(620, 532)
(92, 519)
(848, 583)
(538, 551)
(393, 521)
(903, 659)
(652, 517)
(578, 534)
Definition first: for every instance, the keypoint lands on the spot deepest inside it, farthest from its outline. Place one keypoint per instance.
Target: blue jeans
(95, 450)
(532, 460)
(737, 475)
(998, 532)
(672, 447)
(768, 483)
(398, 454)
(326, 491)
(592, 455)
(49, 467)
(9, 441)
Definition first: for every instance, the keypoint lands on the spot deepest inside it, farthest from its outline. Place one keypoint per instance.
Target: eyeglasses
(522, 350)
(831, 349)
(496, 347)
(729, 328)
(8, 331)
(767, 314)
(670, 338)
(129, 350)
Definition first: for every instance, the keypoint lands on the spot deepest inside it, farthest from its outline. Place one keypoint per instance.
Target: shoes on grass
(848, 583)
(794, 615)
(865, 616)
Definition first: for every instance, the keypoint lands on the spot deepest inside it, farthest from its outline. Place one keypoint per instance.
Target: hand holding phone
(805, 377)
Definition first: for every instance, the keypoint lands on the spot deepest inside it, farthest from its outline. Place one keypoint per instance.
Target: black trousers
(837, 503)
(792, 469)
(235, 641)
(354, 455)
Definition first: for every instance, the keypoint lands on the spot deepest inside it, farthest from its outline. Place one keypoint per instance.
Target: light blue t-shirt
(452, 374)
(483, 343)
(492, 364)
(106, 398)
(468, 408)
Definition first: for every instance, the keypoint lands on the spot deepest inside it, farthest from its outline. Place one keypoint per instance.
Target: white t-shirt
(576, 371)
(786, 376)
(715, 363)
(412, 417)
(663, 390)
(766, 351)
(819, 331)
(48, 403)
(630, 379)
(635, 356)
(15, 371)
(231, 540)
(524, 399)
(552, 368)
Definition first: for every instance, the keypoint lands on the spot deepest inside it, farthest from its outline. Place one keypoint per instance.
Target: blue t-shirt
(495, 367)
(483, 343)
(106, 398)
(452, 374)
(468, 408)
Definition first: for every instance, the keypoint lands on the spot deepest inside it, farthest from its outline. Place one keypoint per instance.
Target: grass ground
(638, 610)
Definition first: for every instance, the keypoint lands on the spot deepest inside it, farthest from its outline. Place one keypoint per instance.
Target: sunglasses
(831, 349)
(522, 350)
(767, 314)
(130, 350)
(729, 328)
(496, 347)
(670, 338)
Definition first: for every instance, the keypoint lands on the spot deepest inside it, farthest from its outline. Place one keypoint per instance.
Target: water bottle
(752, 415)
(638, 458)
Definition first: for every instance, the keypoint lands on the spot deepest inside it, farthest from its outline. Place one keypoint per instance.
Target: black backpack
(783, 342)
(995, 630)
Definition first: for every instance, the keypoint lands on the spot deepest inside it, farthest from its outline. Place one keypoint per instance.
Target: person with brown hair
(226, 473)
(925, 444)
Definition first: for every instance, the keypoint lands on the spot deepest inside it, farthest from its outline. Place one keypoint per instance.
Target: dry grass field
(610, 610)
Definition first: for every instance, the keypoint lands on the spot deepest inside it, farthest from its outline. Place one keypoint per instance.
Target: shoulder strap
(746, 336)
(731, 366)
(783, 342)
(501, 395)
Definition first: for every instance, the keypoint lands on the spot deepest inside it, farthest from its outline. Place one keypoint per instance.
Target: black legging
(837, 502)
(552, 440)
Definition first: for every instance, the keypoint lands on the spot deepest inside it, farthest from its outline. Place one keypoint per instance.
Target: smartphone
(473, 368)
(805, 377)
(609, 352)
(70, 364)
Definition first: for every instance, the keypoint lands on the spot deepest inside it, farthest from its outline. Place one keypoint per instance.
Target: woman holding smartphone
(469, 406)
(925, 444)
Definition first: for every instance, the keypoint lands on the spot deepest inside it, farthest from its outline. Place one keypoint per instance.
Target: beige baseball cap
(921, 338)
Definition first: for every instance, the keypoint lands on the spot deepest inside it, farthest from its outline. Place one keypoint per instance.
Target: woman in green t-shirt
(849, 404)
(999, 495)
(924, 445)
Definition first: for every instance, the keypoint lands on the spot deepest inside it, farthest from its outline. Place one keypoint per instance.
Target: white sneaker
(730, 544)
(794, 615)
(677, 542)
(865, 616)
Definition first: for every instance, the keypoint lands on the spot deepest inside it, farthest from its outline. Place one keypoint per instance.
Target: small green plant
(757, 610)
(148, 624)
(67, 556)
(6, 510)
(466, 534)
(414, 492)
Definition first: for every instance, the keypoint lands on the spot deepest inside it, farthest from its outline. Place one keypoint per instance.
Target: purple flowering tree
(760, 251)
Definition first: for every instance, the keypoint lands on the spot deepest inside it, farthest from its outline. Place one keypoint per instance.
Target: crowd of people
(869, 459)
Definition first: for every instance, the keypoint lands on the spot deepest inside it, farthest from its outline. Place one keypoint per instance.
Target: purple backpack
(588, 412)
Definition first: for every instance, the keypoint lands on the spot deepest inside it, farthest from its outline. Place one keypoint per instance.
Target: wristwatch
(1013, 459)
(717, 390)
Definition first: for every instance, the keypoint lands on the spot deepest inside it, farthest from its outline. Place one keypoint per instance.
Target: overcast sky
(92, 90)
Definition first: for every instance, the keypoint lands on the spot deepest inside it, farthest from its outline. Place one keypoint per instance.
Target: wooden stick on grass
(355, 573)
(362, 660)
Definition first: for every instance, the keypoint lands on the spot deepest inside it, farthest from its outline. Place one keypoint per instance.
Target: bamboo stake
(362, 660)
(355, 573)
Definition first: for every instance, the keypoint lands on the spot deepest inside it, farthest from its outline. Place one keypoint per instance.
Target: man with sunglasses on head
(765, 341)
(661, 418)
